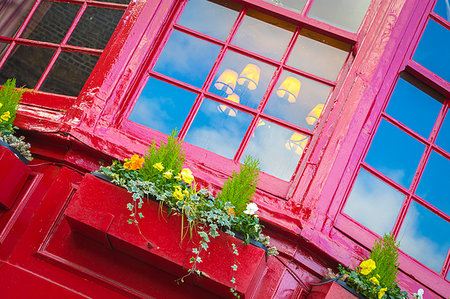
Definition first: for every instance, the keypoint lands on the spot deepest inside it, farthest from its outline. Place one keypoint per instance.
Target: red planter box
(99, 210)
(331, 290)
(13, 175)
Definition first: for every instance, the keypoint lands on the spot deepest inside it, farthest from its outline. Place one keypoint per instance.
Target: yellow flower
(178, 195)
(134, 163)
(5, 116)
(1, 105)
(186, 192)
(158, 166)
(374, 280)
(230, 211)
(186, 175)
(367, 266)
(381, 292)
(168, 174)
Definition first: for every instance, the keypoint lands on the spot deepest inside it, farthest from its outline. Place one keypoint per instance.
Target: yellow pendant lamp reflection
(290, 88)
(229, 110)
(250, 75)
(314, 115)
(297, 143)
(227, 81)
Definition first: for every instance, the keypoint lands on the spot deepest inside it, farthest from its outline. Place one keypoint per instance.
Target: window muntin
(442, 9)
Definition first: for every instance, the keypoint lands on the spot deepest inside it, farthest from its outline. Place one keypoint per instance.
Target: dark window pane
(69, 73)
(209, 18)
(3, 48)
(433, 185)
(26, 64)
(395, 154)
(413, 107)
(117, 1)
(162, 106)
(345, 14)
(187, 58)
(443, 139)
(442, 8)
(12, 15)
(278, 149)
(294, 5)
(425, 236)
(432, 51)
(217, 129)
(96, 27)
(51, 21)
(373, 203)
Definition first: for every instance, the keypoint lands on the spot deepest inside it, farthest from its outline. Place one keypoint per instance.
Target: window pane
(218, 128)
(442, 8)
(318, 55)
(395, 154)
(294, 5)
(187, 58)
(345, 14)
(96, 27)
(433, 185)
(432, 51)
(424, 236)
(443, 139)
(373, 203)
(3, 48)
(162, 106)
(413, 107)
(51, 21)
(117, 1)
(263, 35)
(209, 18)
(278, 149)
(244, 77)
(12, 15)
(26, 64)
(298, 100)
(69, 73)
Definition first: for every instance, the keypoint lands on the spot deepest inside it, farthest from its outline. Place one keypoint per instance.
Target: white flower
(251, 208)
(419, 294)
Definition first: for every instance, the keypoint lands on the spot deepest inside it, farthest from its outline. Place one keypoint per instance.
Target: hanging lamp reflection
(314, 115)
(250, 76)
(297, 143)
(289, 89)
(227, 81)
(229, 110)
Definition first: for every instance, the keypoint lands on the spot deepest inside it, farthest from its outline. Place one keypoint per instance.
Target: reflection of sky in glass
(432, 51)
(237, 63)
(263, 35)
(425, 236)
(187, 58)
(433, 185)
(311, 94)
(394, 153)
(216, 131)
(294, 5)
(413, 107)
(312, 54)
(442, 8)
(208, 18)
(443, 139)
(373, 203)
(345, 14)
(162, 106)
(269, 145)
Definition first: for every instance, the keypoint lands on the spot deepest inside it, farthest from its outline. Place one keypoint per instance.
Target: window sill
(332, 290)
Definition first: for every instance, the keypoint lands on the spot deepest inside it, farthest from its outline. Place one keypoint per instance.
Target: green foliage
(171, 155)
(9, 99)
(385, 255)
(239, 189)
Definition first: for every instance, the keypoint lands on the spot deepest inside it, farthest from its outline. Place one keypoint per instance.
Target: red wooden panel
(330, 291)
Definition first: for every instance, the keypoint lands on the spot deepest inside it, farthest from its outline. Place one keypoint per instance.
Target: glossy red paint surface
(330, 291)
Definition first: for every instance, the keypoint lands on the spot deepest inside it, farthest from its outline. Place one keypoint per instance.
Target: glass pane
(278, 149)
(218, 128)
(433, 185)
(242, 78)
(297, 100)
(373, 203)
(395, 154)
(3, 48)
(413, 107)
(51, 21)
(294, 5)
(187, 58)
(209, 18)
(424, 236)
(26, 64)
(69, 73)
(432, 51)
(263, 35)
(117, 1)
(12, 15)
(162, 106)
(96, 27)
(443, 139)
(318, 55)
(345, 14)
(442, 8)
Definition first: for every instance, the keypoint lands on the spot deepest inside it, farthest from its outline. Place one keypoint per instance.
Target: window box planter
(14, 172)
(98, 210)
(334, 289)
